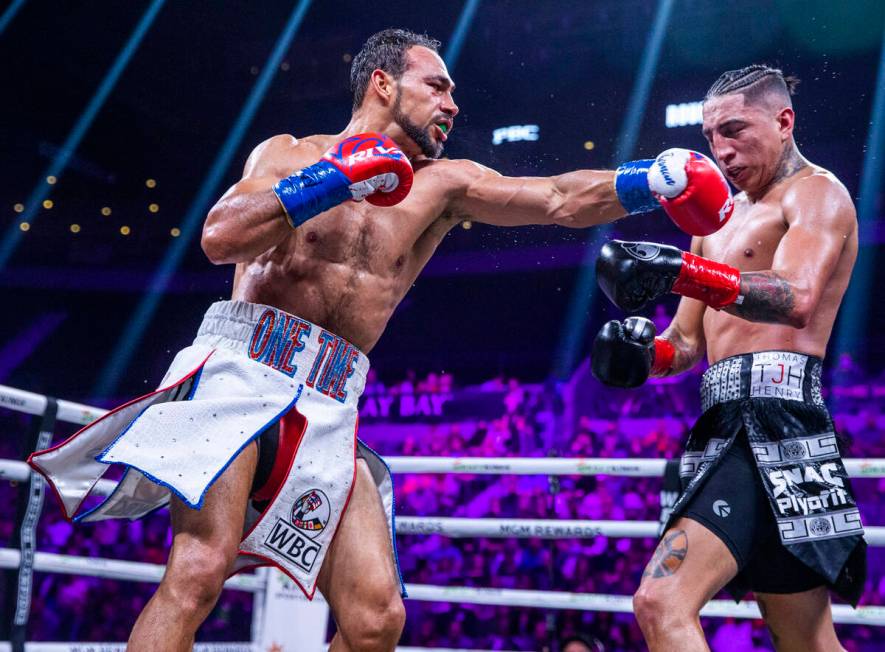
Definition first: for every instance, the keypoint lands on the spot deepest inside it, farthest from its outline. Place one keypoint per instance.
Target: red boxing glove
(692, 191)
(664, 354)
(716, 284)
(378, 170)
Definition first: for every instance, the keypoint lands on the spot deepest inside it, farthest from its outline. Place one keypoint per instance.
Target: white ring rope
(135, 571)
(142, 572)
(31, 403)
(528, 528)
(121, 647)
(198, 647)
(616, 603)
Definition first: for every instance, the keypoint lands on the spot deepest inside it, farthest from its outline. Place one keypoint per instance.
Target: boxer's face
(747, 140)
(424, 108)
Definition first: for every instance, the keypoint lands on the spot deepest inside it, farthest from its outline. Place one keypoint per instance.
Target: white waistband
(289, 344)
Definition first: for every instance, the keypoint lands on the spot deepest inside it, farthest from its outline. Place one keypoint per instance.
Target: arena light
(193, 219)
(854, 320)
(456, 42)
(583, 296)
(684, 114)
(10, 13)
(62, 157)
(515, 133)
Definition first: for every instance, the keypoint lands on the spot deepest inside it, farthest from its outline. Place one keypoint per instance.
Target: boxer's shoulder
(814, 179)
(283, 152)
(455, 174)
(815, 188)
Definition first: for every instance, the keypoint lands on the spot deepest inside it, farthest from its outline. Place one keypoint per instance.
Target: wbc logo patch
(294, 539)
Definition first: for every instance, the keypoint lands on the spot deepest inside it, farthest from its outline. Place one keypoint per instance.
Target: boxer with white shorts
(308, 249)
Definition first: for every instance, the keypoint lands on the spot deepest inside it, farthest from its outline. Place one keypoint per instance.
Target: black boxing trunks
(762, 470)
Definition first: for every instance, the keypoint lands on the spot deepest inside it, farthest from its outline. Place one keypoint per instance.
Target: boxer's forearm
(242, 226)
(585, 198)
(768, 298)
(686, 352)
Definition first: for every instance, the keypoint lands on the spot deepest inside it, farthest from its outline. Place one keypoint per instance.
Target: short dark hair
(754, 82)
(385, 50)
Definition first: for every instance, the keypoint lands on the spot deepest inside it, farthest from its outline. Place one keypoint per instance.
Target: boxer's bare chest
(348, 268)
(750, 238)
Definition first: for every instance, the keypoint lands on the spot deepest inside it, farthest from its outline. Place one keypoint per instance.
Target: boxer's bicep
(820, 219)
(484, 195)
(248, 219)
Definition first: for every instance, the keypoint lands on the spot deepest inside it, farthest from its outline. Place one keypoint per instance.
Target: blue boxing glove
(367, 166)
(687, 185)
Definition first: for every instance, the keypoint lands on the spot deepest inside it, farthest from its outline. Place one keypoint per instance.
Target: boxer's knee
(194, 582)
(659, 610)
(375, 621)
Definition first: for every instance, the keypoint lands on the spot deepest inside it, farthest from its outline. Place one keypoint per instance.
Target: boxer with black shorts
(766, 503)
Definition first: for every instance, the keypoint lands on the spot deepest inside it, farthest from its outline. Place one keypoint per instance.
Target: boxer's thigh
(214, 531)
(690, 565)
(358, 574)
(799, 622)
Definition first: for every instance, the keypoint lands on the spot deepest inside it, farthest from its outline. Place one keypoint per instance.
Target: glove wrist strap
(310, 191)
(631, 185)
(664, 354)
(716, 284)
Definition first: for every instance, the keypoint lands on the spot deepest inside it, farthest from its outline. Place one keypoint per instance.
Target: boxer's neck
(363, 121)
(790, 162)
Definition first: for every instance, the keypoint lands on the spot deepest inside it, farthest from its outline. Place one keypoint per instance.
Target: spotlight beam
(456, 42)
(60, 161)
(10, 13)
(584, 294)
(193, 219)
(855, 312)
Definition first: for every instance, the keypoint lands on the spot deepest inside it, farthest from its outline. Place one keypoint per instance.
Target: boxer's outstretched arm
(820, 219)
(249, 219)
(576, 199)
(686, 331)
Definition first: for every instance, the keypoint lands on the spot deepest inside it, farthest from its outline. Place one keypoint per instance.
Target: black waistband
(784, 375)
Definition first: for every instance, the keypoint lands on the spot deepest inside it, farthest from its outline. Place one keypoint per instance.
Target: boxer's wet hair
(385, 50)
(754, 83)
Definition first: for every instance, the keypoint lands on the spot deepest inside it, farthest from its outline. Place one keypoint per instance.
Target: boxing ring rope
(144, 572)
(77, 413)
(199, 647)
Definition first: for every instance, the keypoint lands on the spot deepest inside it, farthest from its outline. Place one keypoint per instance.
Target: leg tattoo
(668, 556)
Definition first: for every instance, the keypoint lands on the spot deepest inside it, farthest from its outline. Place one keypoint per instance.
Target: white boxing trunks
(248, 366)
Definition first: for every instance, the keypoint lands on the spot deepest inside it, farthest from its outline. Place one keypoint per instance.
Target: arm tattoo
(767, 298)
(685, 355)
(668, 556)
(791, 161)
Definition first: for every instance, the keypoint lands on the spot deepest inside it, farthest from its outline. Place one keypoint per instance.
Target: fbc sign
(515, 133)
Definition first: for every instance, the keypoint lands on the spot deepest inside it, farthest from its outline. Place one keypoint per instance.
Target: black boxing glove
(624, 352)
(633, 273)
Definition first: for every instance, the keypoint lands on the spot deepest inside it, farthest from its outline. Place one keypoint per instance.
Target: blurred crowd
(90, 609)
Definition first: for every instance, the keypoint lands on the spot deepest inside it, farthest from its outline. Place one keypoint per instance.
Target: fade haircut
(385, 50)
(755, 83)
